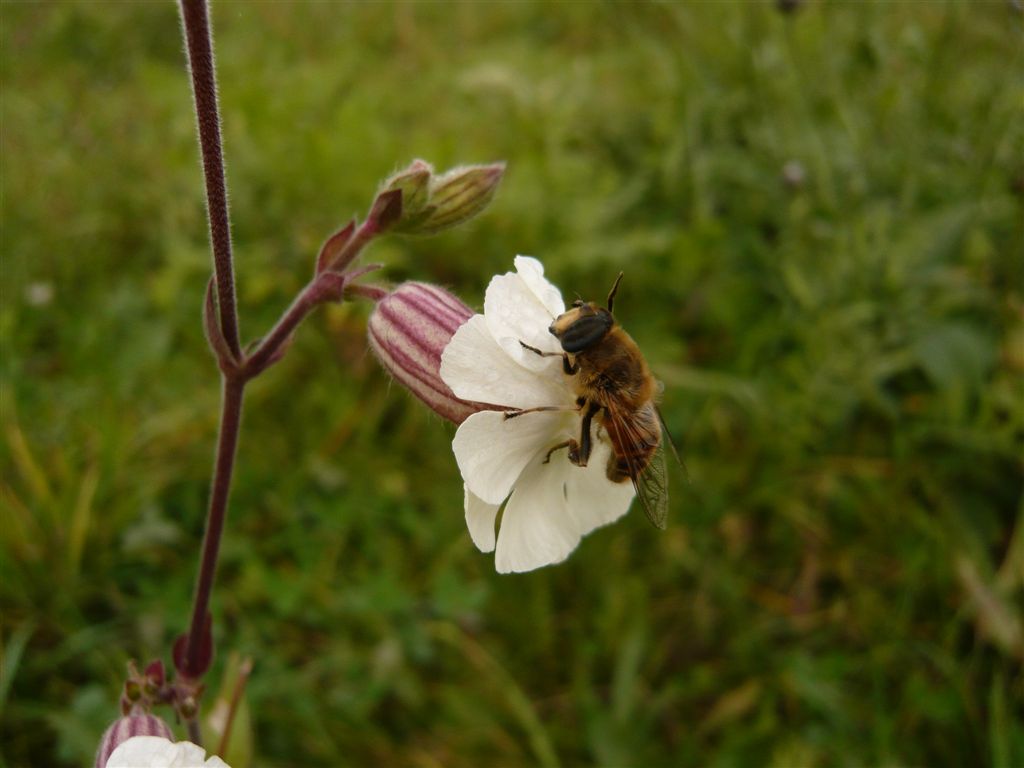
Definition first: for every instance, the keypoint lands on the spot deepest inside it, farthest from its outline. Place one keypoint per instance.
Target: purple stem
(366, 232)
(204, 85)
(372, 292)
(200, 55)
(323, 287)
(227, 442)
(282, 330)
(204, 88)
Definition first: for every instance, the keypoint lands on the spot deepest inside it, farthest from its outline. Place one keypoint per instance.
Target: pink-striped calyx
(127, 727)
(408, 330)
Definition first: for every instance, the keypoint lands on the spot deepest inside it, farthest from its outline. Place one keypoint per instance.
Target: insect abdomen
(634, 440)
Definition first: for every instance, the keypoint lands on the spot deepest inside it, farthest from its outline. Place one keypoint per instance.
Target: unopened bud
(408, 330)
(414, 184)
(155, 676)
(187, 707)
(460, 195)
(125, 728)
(435, 202)
(132, 689)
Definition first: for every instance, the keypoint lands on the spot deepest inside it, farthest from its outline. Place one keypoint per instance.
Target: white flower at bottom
(548, 505)
(158, 752)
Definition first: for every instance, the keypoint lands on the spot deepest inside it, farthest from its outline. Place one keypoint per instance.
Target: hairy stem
(326, 286)
(282, 330)
(227, 442)
(197, 648)
(204, 88)
(366, 232)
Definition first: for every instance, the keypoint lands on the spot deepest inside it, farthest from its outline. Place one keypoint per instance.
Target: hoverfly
(614, 386)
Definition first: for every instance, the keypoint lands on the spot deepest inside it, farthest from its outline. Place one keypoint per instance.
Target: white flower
(158, 752)
(554, 503)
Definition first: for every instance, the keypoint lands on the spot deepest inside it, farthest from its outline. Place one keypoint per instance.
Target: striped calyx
(408, 330)
(127, 727)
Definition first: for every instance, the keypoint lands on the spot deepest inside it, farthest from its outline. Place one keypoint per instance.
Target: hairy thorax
(614, 370)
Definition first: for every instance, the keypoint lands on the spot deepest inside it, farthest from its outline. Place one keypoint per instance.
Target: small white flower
(549, 505)
(158, 752)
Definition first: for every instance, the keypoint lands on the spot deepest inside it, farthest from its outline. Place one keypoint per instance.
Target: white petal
(536, 526)
(532, 272)
(189, 755)
(592, 498)
(491, 450)
(477, 369)
(515, 314)
(480, 517)
(158, 752)
(141, 751)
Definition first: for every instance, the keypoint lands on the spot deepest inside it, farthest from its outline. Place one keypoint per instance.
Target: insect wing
(650, 479)
(652, 488)
(666, 437)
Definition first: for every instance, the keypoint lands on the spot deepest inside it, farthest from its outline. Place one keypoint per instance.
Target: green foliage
(820, 219)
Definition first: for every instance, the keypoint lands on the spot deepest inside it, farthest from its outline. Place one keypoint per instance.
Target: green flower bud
(132, 690)
(460, 194)
(187, 707)
(414, 184)
(434, 202)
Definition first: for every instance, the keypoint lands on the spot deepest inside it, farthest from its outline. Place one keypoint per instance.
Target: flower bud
(132, 690)
(187, 707)
(414, 183)
(125, 728)
(461, 194)
(155, 677)
(435, 202)
(408, 330)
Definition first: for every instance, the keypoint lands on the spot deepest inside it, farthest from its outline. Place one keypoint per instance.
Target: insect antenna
(611, 293)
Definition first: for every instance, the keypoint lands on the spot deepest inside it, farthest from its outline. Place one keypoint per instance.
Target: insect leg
(564, 444)
(579, 452)
(513, 414)
(583, 449)
(569, 368)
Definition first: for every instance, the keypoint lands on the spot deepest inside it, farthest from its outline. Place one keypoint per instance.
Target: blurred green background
(821, 217)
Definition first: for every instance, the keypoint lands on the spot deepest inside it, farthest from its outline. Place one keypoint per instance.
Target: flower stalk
(419, 202)
(196, 19)
(194, 652)
(199, 645)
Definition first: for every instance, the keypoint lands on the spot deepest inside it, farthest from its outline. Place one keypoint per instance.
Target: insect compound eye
(586, 331)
